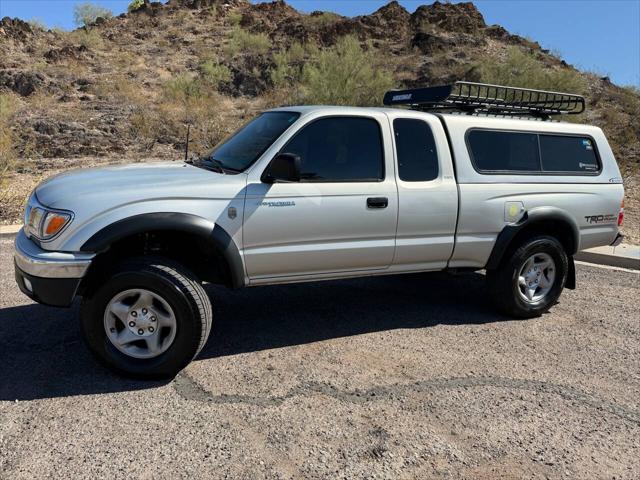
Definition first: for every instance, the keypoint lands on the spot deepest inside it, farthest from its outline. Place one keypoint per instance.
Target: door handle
(377, 202)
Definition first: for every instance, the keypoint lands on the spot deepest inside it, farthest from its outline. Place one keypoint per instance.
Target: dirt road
(398, 377)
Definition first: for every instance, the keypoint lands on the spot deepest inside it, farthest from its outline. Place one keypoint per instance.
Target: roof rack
(471, 97)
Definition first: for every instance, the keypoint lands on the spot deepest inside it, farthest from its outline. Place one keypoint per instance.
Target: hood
(119, 184)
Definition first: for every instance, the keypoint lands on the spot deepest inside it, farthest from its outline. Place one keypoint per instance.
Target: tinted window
(416, 149)
(511, 151)
(568, 154)
(252, 140)
(339, 149)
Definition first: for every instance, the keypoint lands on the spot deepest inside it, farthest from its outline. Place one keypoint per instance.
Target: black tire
(503, 281)
(178, 287)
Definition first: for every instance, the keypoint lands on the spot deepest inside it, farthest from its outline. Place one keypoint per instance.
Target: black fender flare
(172, 221)
(530, 218)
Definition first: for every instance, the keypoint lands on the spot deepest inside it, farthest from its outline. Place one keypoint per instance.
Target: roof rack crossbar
(471, 97)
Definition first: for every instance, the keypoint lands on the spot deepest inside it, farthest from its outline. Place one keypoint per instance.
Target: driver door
(342, 214)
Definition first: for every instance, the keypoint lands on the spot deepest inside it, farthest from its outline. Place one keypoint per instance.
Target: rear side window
(416, 150)
(523, 152)
(567, 154)
(339, 149)
(504, 151)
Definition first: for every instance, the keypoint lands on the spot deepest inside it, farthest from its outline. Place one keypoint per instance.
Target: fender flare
(531, 217)
(212, 233)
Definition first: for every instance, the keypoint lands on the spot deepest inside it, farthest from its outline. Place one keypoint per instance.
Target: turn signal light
(53, 223)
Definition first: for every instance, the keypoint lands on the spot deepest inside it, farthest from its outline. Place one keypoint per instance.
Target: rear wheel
(530, 278)
(149, 320)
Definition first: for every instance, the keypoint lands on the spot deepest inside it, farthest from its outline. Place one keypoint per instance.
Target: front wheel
(531, 278)
(148, 320)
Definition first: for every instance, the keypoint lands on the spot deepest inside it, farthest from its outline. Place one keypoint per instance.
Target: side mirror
(285, 167)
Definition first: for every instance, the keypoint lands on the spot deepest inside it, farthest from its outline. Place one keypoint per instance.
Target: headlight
(44, 223)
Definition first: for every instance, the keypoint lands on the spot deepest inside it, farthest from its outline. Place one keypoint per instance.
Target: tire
(172, 328)
(514, 297)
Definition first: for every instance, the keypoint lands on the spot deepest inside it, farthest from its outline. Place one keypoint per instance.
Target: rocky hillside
(123, 88)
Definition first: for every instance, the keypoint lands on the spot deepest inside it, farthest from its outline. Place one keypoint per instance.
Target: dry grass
(9, 105)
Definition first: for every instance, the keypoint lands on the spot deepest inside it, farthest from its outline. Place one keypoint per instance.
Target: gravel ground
(398, 377)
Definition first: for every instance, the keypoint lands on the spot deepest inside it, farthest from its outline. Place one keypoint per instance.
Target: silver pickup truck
(470, 177)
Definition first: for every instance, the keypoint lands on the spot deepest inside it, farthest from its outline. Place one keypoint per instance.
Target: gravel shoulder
(398, 377)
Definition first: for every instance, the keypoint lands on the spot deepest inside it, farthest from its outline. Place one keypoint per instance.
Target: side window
(504, 151)
(568, 154)
(339, 149)
(416, 150)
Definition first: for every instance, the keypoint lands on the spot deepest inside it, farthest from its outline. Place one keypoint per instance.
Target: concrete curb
(624, 256)
(9, 231)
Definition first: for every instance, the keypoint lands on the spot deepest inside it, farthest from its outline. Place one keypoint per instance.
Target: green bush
(214, 73)
(183, 88)
(321, 19)
(235, 18)
(135, 5)
(287, 67)
(85, 14)
(522, 69)
(345, 74)
(244, 41)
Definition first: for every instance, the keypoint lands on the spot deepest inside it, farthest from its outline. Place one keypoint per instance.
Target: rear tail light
(621, 214)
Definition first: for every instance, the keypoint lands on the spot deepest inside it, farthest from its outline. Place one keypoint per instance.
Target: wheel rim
(536, 277)
(140, 323)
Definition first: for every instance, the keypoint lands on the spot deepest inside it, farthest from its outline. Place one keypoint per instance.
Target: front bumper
(48, 277)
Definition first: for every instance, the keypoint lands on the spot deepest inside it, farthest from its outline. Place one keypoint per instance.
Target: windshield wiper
(216, 163)
(209, 162)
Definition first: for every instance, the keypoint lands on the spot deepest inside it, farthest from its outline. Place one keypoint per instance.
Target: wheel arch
(543, 220)
(204, 242)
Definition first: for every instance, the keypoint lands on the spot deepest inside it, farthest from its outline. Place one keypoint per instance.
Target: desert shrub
(85, 14)
(296, 52)
(287, 66)
(629, 99)
(183, 88)
(235, 18)
(145, 123)
(244, 41)
(282, 71)
(87, 38)
(522, 69)
(135, 5)
(185, 99)
(346, 74)
(119, 88)
(37, 24)
(214, 74)
(321, 19)
(8, 106)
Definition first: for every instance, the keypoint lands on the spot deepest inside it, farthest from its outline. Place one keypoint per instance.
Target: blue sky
(597, 35)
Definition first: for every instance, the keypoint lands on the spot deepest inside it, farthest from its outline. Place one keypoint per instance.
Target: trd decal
(610, 218)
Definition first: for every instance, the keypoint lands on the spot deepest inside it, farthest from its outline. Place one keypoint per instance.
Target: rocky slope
(84, 97)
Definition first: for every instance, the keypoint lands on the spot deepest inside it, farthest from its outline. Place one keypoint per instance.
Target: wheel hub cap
(140, 323)
(536, 277)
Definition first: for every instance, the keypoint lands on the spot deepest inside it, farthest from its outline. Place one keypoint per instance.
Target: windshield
(252, 140)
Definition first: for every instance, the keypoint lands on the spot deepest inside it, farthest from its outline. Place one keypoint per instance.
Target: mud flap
(571, 275)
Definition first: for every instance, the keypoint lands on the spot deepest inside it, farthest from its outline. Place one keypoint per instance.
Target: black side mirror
(285, 167)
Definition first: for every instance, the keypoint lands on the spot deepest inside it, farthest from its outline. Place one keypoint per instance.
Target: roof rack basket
(471, 97)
